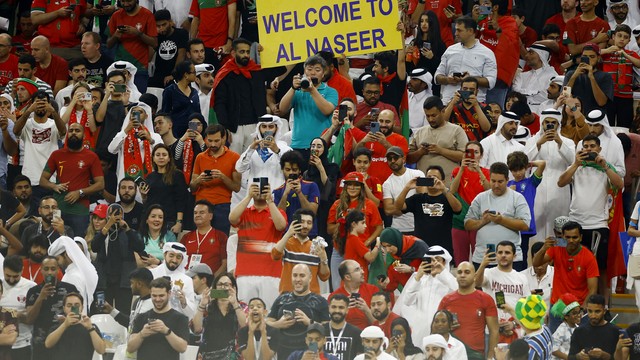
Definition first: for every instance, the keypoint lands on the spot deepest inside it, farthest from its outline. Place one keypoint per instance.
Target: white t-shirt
(545, 283)
(392, 188)
(590, 202)
(39, 140)
(382, 356)
(15, 297)
(513, 284)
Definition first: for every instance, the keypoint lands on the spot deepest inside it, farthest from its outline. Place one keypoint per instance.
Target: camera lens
(304, 83)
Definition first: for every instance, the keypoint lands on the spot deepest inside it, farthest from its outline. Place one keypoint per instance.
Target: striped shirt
(41, 86)
(540, 344)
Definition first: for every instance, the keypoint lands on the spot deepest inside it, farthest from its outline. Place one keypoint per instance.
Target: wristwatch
(81, 192)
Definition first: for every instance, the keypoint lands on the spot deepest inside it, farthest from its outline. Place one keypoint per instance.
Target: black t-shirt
(74, 344)
(51, 307)
(97, 72)
(348, 346)
(156, 346)
(167, 54)
(634, 334)
(243, 337)
(247, 9)
(219, 335)
(313, 305)
(133, 217)
(432, 218)
(393, 91)
(112, 124)
(603, 337)
(8, 205)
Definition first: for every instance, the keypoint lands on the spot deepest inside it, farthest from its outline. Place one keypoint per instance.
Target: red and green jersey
(131, 48)
(621, 71)
(213, 33)
(63, 31)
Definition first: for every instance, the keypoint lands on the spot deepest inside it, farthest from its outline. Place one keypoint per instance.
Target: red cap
(592, 46)
(101, 210)
(354, 176)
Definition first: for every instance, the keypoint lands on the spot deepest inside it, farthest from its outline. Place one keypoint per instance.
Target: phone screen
(500, 298)
(219, 294)
(342, 112)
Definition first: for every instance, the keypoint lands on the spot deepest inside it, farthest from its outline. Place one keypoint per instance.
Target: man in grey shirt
(498, 214)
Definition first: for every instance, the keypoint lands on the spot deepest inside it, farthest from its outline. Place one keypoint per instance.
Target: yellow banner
(292, 30)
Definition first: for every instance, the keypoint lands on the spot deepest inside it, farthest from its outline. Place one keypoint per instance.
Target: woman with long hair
(325, 174)
(218, 319)
(442, 323)
(180, 99)
(351, 244)
(166, 186)
(401, 344)
(98, 219)
(427, 47)
(353, 198)
(573, 123)
(153, 231)
(80, 110)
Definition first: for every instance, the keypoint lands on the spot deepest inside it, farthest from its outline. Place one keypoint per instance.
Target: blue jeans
(78, 223)
(221, 217)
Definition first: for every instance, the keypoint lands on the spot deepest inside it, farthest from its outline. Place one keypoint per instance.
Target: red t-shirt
(213, 33)
(470, 185)
(343, 86)
(57, 70)
(355, 249)
(63, 31)
(211, 245)
(371, 215)
(31, 271)
(534, 127)
(558, 20)
(529, 36)
(386, 327)
(472, 310)
(131, 48)
(621, 73)
(504, 48)
(8, 70)
(77, 168)
(571, 272)
(355, 316)
(256, 237)
(379, 167)
(579, 31)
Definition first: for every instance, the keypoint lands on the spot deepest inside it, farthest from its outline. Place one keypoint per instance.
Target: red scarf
(385, 80)
(231, 66)
(89, 141)
(187, 160)
(134, 166)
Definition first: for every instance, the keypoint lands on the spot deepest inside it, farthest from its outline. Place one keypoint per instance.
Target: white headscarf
(437, 250)
(148, 122)
(542, 51)
(609, 142)
(8, 97)
(504, 118)
(85, 247)
(177, 248)
(375, 332)
(125, 65)
(66, 244)
(550, 113)
(269, 119)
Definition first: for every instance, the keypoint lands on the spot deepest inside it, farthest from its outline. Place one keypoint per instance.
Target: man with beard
(40, 128)
(111, 112)
(133, 30)
(127, 190)
(355, 286)
(296, 247)
(78, 175)
(173, 266)
(257, 337)
(394, 185)
(162, 332)
(437, 143)
(46, 224)
(379, 142)
(466, 111)
(373, 340)
(501, 143)
(204, 80)
(27, 70)
(344, 338)
(435, 347)
(14, 296)
(611, 146)
(77, 73)
(78, 269)
(598, 338)
(44, 302)
(196, 51)
(334, 79)
(371, 96)
(553, 94)
(140, 281)
(239, 96)
(419, 87)
(475, 311)
(24, 193)
(381, 312)
(205, 244)
(592, 86)
(533, 82)
(31, 265)
(294, 311)
(315, 341)
(171, 50)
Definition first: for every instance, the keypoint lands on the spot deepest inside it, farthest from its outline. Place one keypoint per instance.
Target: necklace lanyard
(203, 238)
(336, 341)
(32, 277)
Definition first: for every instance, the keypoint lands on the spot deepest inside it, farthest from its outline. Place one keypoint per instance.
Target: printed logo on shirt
(167, 49)
(80, 164)
(22, 299)
(508, 288)
(40, 136)
(433, 209)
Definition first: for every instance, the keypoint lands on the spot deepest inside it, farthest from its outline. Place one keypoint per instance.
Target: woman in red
(352, 198)
(352, 244)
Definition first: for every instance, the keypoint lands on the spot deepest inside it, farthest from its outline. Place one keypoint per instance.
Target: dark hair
(100, 92)
(41, 94)
(386, 60)
(234, 284)
(517, 160)
(591, 137)
(328, 58)
(39, 240)
(447, 314)
(259, 299)
(624, 139)
(503, 6)
(206, 203)
(339, 297)
(165, 115)
(477, 143)
(27, 59)
(161, 283)
(433, 102)
(371, 80)
(549, 29)
(163, 15)
(73, 294)
(362, 151)
(195, 41)
(127, 179)
(13, 263)
(150, 100)
(571, 225)
(49, 257)
(467, 22)
(518, 12)
(75, 62)
(433, 35)
(499, 168)
(470, 79)
(143, 275)
(114, 73)
(26, 14)
(507, 243)
(409, 347)
(349, 100)
(342, 269)
(207, 278)
(536, 247)
(514, 94)
(78, 85)
(438, 168)
(46, 197)
(291, 157)
(315, 60)
(170, 170)
(144, 227)
(182, 69)
(622, 28)
(307, 212)
(520, 108)
(238, 41)
(385, 294)
(352, 217)
(216, 128)
(596, 299)
(20, 178)
(519, 350)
